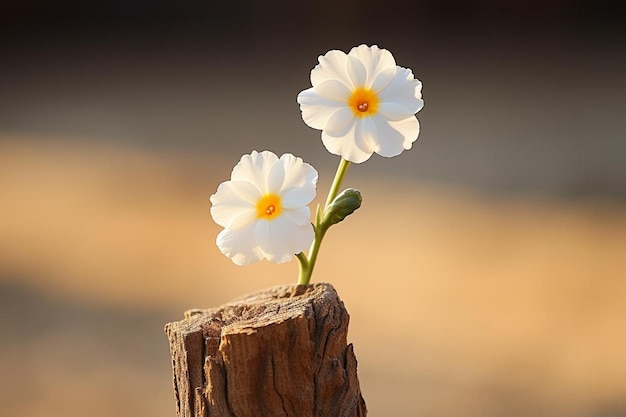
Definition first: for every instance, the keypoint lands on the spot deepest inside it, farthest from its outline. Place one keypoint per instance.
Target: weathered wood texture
(281, 352)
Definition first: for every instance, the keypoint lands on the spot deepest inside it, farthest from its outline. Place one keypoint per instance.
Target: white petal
(224, 214)
(394, 111)
(247, 191)
(227, 204)
(240, 245)
(316, 110)
(244, 219)
(262, 234)
(227, 194)
(339, 121)
(297, 197)
(344, 144)
(356, 72)
(298, 174)
(281, 238)
(395, 137)
(301, 237)
(366, 135)
(404, 90)
(383, 79)
(332, 66)
(410, 129)
(300, 216)
(275, 177)
(333, 90)
(255, 168)
(374, 59)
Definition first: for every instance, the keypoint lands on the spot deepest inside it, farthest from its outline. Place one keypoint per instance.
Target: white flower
(363, 103)
(264, 208)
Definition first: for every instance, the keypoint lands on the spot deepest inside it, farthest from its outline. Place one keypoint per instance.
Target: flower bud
(342, 206)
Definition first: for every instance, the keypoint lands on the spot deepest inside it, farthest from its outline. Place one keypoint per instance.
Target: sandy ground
(461, 304)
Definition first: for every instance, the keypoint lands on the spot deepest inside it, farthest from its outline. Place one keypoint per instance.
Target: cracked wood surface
(280, 352)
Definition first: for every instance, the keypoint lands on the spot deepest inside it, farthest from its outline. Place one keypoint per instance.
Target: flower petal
(247, 191)
(404, 89)
(297, 196)
(394, 111)
(316, 110)
(395, 137)
(332, 66)
(228, 203)
(240, 245)
(262, 234)
(232, 217)
(281, 238)
(383, 79)
(356, 72)
(366, 135)
(276, 177)
(298, 174)
(339, 121)
(254, 168)
(300, 215)
(344, 144)
(225, 215)
(410, 129)
(374, 59)
(243, 219)
(227, 194)
(333, 90)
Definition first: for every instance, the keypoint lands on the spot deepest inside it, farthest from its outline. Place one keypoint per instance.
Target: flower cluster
(364, 104)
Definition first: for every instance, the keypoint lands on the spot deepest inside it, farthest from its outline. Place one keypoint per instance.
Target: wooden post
(281, 352)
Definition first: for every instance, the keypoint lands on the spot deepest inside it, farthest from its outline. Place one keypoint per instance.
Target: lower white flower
(264, 208)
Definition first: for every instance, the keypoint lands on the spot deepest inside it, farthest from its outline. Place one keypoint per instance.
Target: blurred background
(484, 273)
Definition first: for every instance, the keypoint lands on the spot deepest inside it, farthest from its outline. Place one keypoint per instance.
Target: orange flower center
(268, 207)
(363, 102)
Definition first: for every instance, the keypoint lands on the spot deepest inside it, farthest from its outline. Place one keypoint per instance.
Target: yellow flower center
(268, 207)
(363, 102)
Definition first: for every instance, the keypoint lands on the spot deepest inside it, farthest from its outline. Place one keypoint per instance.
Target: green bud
(342, 206)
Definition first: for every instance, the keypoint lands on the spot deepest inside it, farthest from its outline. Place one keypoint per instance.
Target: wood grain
(280, 352)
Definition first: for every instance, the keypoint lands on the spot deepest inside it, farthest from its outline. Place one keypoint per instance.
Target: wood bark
(281, 352)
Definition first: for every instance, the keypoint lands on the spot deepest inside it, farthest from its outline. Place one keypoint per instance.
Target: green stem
(307, 264)
(303, 262)
(306, 270)
(339, 176)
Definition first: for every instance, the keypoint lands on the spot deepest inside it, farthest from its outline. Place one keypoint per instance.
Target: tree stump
(281, 352)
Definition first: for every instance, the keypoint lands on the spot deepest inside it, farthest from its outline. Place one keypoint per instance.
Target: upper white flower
(363, 103)
(264, 208)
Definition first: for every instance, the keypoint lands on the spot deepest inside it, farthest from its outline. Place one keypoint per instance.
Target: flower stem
(339, 176)
(303, 263)
(307, 263)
